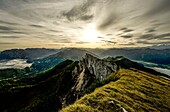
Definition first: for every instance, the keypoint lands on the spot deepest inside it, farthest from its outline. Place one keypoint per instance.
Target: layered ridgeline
(62, 55)
(110, 84)
(29, 53)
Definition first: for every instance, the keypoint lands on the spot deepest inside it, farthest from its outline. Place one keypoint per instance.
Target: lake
(161, 70)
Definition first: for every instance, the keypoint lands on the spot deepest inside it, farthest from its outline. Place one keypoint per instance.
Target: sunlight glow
(90, 34)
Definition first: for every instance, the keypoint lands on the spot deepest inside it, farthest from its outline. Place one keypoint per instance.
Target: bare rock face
(91, 69)
(98, 67)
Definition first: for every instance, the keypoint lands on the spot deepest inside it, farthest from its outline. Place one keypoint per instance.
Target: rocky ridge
(61, 85)
(90, 70)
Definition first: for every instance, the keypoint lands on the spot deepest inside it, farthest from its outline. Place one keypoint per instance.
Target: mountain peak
(87, 55)
(98, 67)
(69, 80)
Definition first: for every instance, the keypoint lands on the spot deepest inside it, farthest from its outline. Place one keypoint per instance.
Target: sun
(90, 34)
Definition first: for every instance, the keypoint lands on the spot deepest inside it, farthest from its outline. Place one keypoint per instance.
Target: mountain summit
(68, 81)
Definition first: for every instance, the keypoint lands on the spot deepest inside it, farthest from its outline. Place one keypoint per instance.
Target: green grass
(135, 90)
(80, 108)
(39, 93)
(98, 84)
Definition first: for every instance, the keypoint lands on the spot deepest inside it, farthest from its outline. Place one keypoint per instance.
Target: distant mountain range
(61, 55)
(111, 84)
(29, 53)
(145, 54)
(42, 59)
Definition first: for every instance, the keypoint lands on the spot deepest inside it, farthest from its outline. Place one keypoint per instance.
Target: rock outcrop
(61, 85)
(98, 67)
(91, 69)
(88, 70)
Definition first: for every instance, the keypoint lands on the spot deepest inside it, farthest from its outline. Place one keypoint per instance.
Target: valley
(15, 63)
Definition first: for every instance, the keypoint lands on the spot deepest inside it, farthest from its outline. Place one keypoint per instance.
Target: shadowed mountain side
(29, 94)
(61, 85)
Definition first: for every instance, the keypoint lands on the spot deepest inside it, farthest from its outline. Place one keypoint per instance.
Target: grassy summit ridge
(134, 91)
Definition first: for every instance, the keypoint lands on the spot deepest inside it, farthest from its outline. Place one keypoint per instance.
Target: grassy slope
(135, 91)
(42, 92)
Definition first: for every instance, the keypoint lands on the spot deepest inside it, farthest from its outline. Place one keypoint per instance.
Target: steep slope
(61, 85)
(38, 93)
(134, 91)
(10, 73)
(90, 71)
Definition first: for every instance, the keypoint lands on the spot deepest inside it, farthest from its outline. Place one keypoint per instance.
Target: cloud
(87, 17)
(81, 42)
(161, 6)
(9, 37)
(9, 30)
(9, 23)
(100, 37)
(117, 22)
(128, 30)
(61, 40)
(152, 43)
(154, 36)
(110, 42)
(151, 30)
(6, 43)
(128, 44)
(147, 36)
(108, 21)
(109, 34)
(127, 36)
(123, 14)
(124, 28)
(80, 12)
(55, 31)
(5, 28)
(162, 36)
(143, 42)
(37, 26)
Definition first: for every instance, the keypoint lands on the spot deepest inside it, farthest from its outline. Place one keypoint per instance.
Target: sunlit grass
(135, 91)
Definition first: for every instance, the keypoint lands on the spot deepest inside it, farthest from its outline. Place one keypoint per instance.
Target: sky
(84, 23)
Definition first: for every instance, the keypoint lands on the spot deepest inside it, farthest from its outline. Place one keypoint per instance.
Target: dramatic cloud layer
(84, 23)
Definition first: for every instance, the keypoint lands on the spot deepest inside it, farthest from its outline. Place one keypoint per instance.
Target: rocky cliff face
(91, 69)
(100, 68)
(88, 71)
(61, 85)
